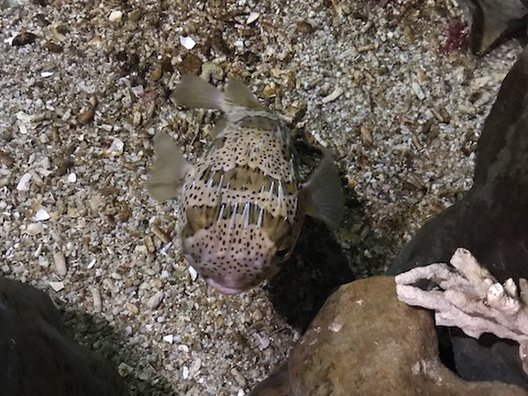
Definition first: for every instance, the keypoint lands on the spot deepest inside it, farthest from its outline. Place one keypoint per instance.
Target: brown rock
(366, 342)
(53, 47)
(23, 38)
(190, 64)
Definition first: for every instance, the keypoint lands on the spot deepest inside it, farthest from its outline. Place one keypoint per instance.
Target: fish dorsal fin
(237, 94)
(323, 194)
(194, 92)
(169, 168)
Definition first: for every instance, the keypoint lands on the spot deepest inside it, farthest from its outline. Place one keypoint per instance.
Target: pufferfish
(243, 202)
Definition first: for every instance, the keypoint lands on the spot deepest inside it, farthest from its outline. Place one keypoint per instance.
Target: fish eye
(282, 253)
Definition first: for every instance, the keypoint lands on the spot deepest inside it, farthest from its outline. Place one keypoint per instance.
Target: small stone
(41, 215)
(115, 149)
(185, 372)
(263, 340)
(168, 338)
(96, 297)
(366, 134)
(212, 70)
(115, 16)
(72, 178)
(149, 244)
(195, 367)
(34, 228)
(86, 116)
(57, 286)
(190, 64)
(192, 272)
(6, 159)
(187, 42)
(138, 90)
(252, 17)
(23, 38)
(336, 93)
(96, 202)
(124, 369)
(157, 73)
(23, 184)
(305, 27)
(154, 301)
(53, 47)
(418, 91)
(60, 263)
(269, 91)
(133, 309)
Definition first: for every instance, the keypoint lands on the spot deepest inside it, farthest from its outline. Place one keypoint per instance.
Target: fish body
(244, 204)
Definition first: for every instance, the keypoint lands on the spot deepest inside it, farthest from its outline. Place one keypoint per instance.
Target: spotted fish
(243, 202)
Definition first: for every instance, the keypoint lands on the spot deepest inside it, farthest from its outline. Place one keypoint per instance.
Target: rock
(24, 38)
(490, 221)
(37, 357)
(366, 342)
(493, 20)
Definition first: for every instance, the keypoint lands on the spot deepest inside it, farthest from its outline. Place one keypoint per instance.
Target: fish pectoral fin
(195, 92)
(323, 194)
(169, 168)
(237, 94)
(219, 127)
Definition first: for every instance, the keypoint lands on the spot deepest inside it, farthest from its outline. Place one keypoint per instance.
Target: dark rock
(491, 221)
(493, 21)
(37, 357)
(23, 38)
(364, 341)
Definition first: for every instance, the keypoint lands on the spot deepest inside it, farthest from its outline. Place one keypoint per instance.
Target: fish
(242, 201)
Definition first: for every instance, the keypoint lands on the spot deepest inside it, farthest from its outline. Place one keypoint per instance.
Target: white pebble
(193, 272)
(116, 148)
(91, 263)
(168, 338)
(72, 178)
(46, 74)
(23, 117)
(187, 42)
(60, 263)
(115, 16)
(41, 215)
(57, 286)
(333, 96)
(185, 372)
(252, 17)
(23, 184)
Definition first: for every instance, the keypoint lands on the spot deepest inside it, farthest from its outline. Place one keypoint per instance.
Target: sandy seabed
(86, 85)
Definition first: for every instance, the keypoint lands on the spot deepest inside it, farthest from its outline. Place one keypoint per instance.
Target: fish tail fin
(324, 195)
(195, 92)
(169, 168)
(239, 95)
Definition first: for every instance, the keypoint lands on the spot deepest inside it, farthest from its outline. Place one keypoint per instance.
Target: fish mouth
(223, 289)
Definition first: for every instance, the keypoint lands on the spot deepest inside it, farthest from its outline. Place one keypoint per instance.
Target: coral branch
(467, 296)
